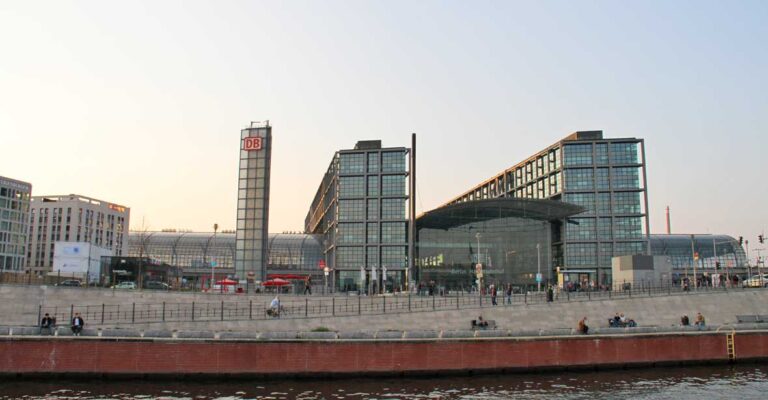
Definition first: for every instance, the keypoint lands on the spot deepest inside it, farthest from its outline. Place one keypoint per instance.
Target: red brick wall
(109, 356)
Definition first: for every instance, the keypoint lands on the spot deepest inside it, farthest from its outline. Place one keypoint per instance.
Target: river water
(700, 383)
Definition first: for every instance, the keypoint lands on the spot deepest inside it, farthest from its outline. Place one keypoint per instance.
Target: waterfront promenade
(23, 306)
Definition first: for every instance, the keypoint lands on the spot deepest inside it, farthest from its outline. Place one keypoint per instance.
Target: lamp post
(213, 263)
(538, 262)
(694, 261)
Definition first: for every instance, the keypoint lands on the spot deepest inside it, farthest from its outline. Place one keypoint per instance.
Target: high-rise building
(606, 176)
(253, 201)
(74, 218)
(361, 210)
(14, 215)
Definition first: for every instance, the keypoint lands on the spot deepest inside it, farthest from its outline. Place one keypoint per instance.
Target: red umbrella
(287, 276)
(227, 281)
(276, 282)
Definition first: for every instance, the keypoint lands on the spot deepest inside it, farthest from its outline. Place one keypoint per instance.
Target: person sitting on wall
(47, 324)
(583, 328)
(700, 323)
(684, 321)
(77, 324)
(274, 307)
(481, 322)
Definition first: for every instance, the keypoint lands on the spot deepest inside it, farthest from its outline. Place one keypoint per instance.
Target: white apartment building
(74, 218)
(14, 214)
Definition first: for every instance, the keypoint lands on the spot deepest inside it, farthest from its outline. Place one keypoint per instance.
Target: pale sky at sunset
(141, 102)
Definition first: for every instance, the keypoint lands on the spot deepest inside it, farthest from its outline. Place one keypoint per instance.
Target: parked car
(156, 285)
(755, 281)
(70, 282)
(125, 285)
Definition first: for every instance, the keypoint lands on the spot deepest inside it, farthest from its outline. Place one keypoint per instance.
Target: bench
(742, 319)
(490, 324)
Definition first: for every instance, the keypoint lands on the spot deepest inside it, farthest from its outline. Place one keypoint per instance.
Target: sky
(141, 103)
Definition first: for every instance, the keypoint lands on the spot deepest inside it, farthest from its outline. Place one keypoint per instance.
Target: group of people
(48, 323)
(620, 321)
(699, 323)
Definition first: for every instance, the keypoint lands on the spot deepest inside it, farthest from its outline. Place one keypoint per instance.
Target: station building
(14, 217)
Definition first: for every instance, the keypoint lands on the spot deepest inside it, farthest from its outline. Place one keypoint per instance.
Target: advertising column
(253, 201)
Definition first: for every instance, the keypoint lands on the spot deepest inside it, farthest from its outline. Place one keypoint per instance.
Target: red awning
(287, 276)
(276, 282)
(227, 281)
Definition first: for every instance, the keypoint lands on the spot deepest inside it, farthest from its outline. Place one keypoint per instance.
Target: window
(626, 203)
(581, 229)
(578, 154)
(351, 210)
(624, 153)
(606, 253)
(393, 185)
(579, 179)
(373, 257)
(628, 228)
(373, 209)
(393, 209)
(352, 163)
(351, 186)
(393, 161)
(586, 200)
(604, 228)
(601, 153)
(373, 185)
(373, 233)
(349, 257)
(373, 162)
(581, 254)
(629, 248)
(393, 256)
(393, 232)
(625, 178)
(601, 179)
(350, 233)
(604, 203)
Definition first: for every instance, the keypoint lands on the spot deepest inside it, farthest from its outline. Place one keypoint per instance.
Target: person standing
(493, 294)
(509, 293)
(308, 285)
(77, 324)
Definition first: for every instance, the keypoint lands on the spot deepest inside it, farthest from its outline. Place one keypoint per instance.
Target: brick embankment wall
(174, 357)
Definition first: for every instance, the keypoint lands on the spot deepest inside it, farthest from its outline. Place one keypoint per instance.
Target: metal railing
(245, 308)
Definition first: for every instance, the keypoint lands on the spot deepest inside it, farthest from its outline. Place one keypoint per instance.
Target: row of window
(362, 256)
(356, 233)
(586, 254)
(597, 153)
(355, 186)
(360, 163)
(604, 229)
(591, 178)
(356, 210)
(600, 203)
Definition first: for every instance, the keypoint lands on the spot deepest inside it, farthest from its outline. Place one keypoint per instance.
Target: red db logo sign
(252, 143)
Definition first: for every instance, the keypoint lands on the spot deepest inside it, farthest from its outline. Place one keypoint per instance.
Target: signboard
(696, 256)
(252, 143)
(383, 273)
(326, 270)
(539, 278)
(321, 264)
(479, 270)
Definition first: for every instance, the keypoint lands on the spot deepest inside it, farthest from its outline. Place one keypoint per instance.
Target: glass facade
(253, 201)
(681, 248)
(14, 216)
(363, 186)
(604, 176)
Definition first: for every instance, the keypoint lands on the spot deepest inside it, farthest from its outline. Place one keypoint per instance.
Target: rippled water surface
(721, 382)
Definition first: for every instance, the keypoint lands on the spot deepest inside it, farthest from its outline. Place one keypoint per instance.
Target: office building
(253, 201)
(14, 217)
(360, 210)
(74, 218)
(605, 176)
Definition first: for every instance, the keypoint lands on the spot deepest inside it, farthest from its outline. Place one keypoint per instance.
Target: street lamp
(538, 262)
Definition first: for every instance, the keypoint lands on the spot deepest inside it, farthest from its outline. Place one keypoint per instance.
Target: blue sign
(538, 278)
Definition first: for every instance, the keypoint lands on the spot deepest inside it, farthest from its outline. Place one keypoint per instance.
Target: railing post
(384, 304)
(222, 310)
(567, 295)
(409, 300)
(133, 313)
(333, 306)
(359, 305)
(433, 303)
(250, 309)
(193, 311)
(163, 311)
(71, 311)
(525, 297)
(39, 313)
(589, 294)
(102, 313)
(457, 301)
(306, 307)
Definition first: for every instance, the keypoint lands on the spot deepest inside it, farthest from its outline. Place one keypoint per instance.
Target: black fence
(243, 308)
